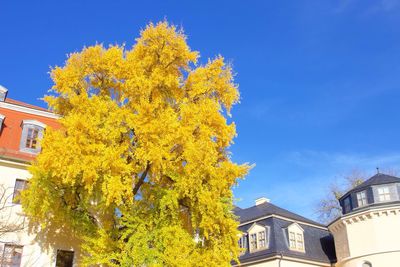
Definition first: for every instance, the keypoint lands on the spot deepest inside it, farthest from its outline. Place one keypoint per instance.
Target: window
(296, 241)
(347, 204)
(299, 241)
(32, 138)
(362, 199)
(2, 117)
(253, 241)
(292, 240)
(19, 186)
(261, 240)
(11, 256)
(243, 243)
(3, 93)
(383, 193)
(32, 131)
(258, 235)
(65, 258)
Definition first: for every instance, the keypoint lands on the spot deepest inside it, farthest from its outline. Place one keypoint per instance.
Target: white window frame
(242, 243)
(32, 125)
(362, 198)
(258, 237)
(296, 238)
(10, 257)
(17, 192)
(2, 118)
(383, 193)
(366, 264)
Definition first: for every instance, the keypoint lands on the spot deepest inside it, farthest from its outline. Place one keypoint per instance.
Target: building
(22, 125)
(275, 237)
(368, 232)
(366, 235)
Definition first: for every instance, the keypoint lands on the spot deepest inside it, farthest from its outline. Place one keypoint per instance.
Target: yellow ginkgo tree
(140, 169)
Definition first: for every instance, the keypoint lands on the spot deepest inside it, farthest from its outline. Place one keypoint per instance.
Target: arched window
(32, 131)
(366, 264)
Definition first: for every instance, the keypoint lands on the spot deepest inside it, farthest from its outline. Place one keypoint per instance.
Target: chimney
(262, 200)
(3, 93)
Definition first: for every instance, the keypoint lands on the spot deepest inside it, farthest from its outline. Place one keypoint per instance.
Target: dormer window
(384, 193)
(243, 243)
(32, 132)
(347, 204)
(362, 198)
(2, 117)
(258, 237)
(296, 237)
(3, 93)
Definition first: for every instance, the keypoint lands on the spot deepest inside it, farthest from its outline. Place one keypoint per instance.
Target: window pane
(292, 240)
(347, 205)
(19, 186)
(362, 199)
(261, 239)
(12, 255)
(300, 243)
(253, 241)
(384, 194)
(31, 138)
(65, 258)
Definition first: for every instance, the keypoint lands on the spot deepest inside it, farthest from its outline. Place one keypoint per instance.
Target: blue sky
(320, 80)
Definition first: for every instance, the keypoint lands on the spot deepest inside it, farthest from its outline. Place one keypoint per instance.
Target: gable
(294, 227)
(256, 228)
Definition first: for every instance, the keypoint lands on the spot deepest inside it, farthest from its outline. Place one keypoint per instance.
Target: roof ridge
(376, 179)
(261, 209)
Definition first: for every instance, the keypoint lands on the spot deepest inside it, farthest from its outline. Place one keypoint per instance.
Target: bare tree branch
(10, 221)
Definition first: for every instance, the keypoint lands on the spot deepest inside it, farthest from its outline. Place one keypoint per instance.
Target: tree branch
(141, 179)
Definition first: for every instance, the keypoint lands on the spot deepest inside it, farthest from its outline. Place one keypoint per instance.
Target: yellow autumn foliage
(140, 168)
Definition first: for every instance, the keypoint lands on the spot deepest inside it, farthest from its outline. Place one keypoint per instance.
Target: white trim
(298, 237)
(13, 163)
(316, 263)
(262, 229)
(295, 224)
(363, 214)
(366, 255)
(283, 218)
(254, 224)
(32, 111)
(34, 122)
(2, 117)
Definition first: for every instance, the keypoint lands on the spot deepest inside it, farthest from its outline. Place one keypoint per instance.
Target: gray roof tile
(318, 242)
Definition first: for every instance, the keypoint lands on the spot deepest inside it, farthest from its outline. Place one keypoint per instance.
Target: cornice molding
(364, 216)
(28, 110)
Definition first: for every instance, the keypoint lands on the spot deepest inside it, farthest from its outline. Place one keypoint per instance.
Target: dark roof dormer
(380, 189)
(3, 93)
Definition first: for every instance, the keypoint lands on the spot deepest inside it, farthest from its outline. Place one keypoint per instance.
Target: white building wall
(35, 253)
(372, 236)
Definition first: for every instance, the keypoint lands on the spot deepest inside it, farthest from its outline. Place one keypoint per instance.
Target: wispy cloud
(367, 7)
(297, 180)
(383, 6)
(312, 158)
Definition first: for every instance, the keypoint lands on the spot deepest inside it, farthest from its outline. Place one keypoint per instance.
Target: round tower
(368, 232)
